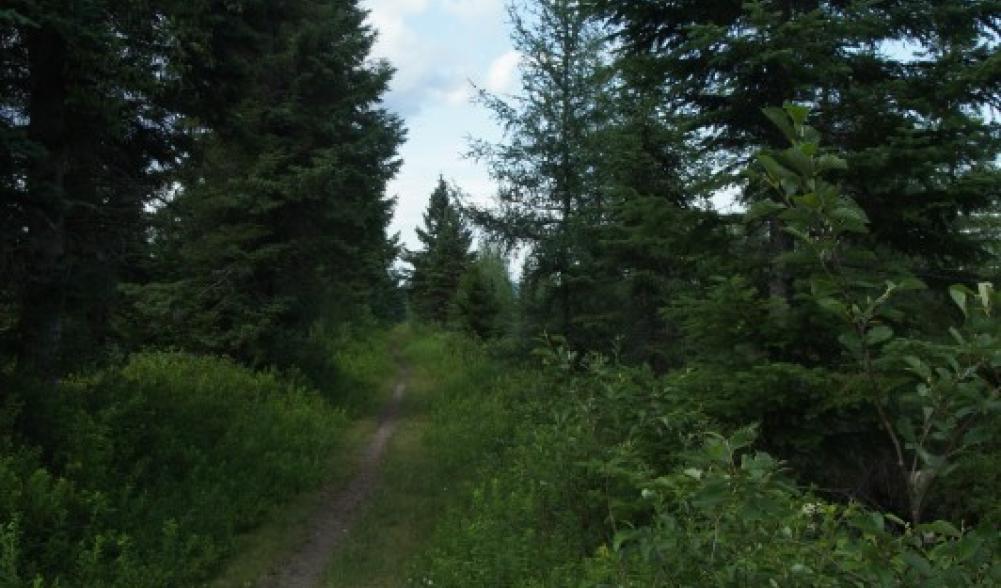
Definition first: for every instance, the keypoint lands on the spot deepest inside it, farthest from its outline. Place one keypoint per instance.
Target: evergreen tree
(85, 138)
(484, 303)
(899, 88)
(281, 217)
(550, 195)
(439, 266)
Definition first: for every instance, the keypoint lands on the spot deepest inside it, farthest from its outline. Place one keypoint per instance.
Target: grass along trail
(391, 481)
(341, 505)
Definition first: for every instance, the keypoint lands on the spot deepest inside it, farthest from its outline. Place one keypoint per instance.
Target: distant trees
(439, 266)
(451, 286)
(484, 301)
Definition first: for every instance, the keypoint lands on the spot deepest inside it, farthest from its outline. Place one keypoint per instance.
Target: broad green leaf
(879, 334)
(797, 233)
(931, 460)
(833, 305)
(830, 162)
(797, 113)
(762, 209)
(781, 120)
(944, 528)
(693, 473)
(911, 283)
(622, 537)
(852, 218)
(958, 294)
(851, 342)
(906, 429)
(917, 562)
(977, 436)
(743, 438)
(810, 200)
(773, 168)
(795, 160)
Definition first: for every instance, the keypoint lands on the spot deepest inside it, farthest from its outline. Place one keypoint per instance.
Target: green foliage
(484, 302)
(550, 196)
(608, 478)
(439, 268)
(142, 476)
(941, 412)
(897, 88)
(281, 207)
(730, 517)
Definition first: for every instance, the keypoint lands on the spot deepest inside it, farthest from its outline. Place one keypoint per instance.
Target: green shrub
(609, 478)
(143, 475)
(732, 518)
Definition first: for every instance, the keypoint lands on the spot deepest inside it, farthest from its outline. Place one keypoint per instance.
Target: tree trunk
(41, 321)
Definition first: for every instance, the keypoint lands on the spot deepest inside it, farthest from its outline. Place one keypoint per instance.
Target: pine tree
(439, 266)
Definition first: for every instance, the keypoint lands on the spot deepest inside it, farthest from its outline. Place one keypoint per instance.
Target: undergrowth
(144, 474)
(587, 473)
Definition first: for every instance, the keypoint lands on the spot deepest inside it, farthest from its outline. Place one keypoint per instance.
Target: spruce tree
(484, 302)
(439, 266)
(281, 216)
(550, 197)
(85, 139)
(898, 87)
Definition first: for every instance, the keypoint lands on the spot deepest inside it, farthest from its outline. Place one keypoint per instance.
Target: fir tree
(281, 217)
(484, 303)
(439, 266)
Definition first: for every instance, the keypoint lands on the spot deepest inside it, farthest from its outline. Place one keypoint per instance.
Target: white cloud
(417, 61)
(396, 40)
(458, 95)
(503, 73)
(473, 9)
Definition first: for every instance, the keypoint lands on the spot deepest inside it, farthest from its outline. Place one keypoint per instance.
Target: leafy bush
(143, 475)
(610, 478)
(731, 518)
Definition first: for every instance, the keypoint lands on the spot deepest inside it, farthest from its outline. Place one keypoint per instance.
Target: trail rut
(341, 506)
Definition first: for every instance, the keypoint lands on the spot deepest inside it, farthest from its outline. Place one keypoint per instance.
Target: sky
(440, 48)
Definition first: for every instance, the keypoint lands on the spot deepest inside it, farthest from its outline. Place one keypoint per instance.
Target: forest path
(342, 505)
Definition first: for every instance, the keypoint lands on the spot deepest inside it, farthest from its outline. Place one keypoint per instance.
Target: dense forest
(754, 337)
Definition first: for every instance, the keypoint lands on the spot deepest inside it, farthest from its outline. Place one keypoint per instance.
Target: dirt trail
(341, 505)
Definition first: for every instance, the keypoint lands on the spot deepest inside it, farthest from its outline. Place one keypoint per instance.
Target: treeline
(776, 213)
(192, 206)
(202, 175)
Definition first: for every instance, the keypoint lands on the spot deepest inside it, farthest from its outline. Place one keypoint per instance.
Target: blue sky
(440, 47)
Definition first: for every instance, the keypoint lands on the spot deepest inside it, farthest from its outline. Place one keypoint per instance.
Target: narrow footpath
(341, 505)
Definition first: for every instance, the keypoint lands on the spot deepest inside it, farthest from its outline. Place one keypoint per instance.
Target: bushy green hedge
(143, 475)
